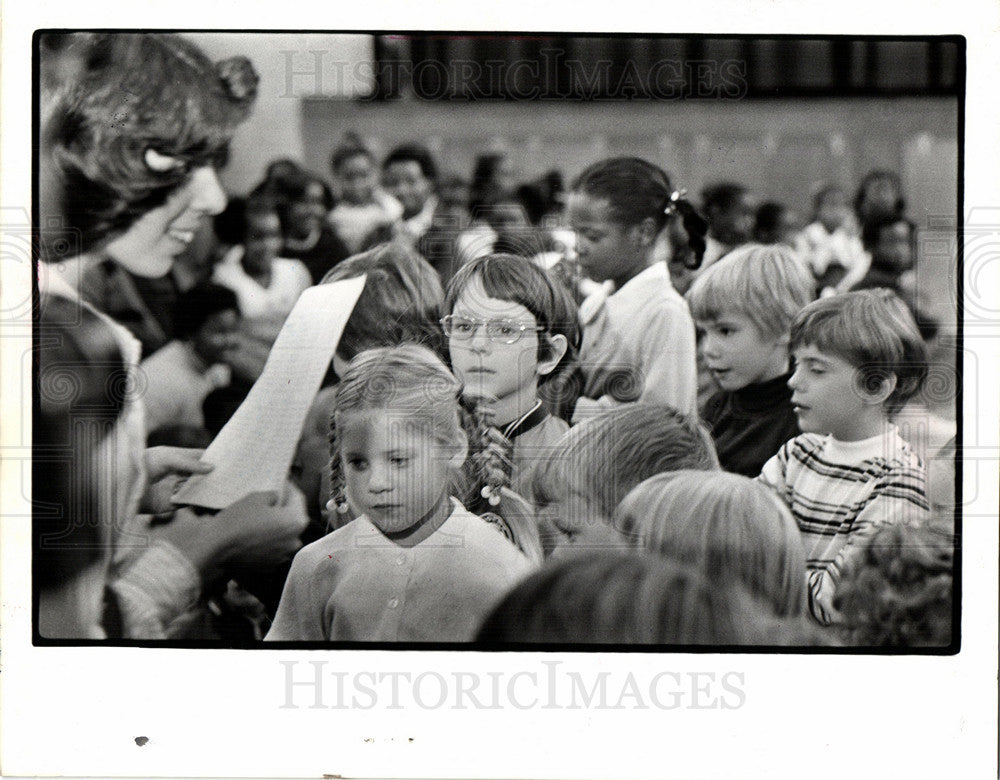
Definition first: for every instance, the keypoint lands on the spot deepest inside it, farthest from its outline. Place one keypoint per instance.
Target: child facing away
(615, 597)
(896, 589)
(858, 356)
(511, 331)
(743, 306)
(727, 527)
(414, 565)
(600, 460)
(364, 214)
(639, 341)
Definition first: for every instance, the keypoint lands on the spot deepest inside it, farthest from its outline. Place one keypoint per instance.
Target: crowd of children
(599, 414)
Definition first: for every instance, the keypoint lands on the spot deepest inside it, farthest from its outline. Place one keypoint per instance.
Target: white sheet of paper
(255, 448)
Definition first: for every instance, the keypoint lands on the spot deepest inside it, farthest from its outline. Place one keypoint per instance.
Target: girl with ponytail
(638, 336)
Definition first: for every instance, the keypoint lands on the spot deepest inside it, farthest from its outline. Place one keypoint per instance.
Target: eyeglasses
(497, 331)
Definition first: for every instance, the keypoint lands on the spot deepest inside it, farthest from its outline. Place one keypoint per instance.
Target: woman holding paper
(133, 130)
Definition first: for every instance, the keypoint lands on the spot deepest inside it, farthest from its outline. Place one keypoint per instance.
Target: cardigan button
(393, 602)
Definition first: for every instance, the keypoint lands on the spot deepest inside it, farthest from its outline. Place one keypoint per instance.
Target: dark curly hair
(132, 94)
(897, 589)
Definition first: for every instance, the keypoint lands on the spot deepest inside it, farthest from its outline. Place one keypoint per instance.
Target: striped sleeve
(775, 470)
(899, 496)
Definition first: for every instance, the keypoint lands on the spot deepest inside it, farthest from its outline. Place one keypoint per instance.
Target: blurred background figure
(180, 376)
(364, 214)
(729, 210)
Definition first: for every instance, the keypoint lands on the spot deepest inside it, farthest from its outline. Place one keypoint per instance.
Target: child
(858, 356)
(303, 200)
(415, 565)
(727, 527)
(831, 244)
(181, 374)
(730, 213)
(774, 223)
(400, 303)
(511, 329)
(599, 461)
(410, 175)
(879, 195)
(609, 598)
(896, 590)
(892, 245)
(743, 306)
(638, 343)
(365, 214)
(891, 241)
(267, 286)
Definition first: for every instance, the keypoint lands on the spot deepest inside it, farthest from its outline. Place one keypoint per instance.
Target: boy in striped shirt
(858, 358)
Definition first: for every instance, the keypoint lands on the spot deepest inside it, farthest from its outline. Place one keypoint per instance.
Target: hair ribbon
(675, 196)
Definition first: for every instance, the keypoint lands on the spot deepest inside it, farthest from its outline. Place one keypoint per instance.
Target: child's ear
(459, 450)
(876, 389)
(555, 347)
(645, 232)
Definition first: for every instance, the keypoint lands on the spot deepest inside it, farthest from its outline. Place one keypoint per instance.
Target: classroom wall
(779, 148)
(313, 86)
(290, 65)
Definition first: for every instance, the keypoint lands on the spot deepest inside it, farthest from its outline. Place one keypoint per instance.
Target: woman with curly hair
(134, 129)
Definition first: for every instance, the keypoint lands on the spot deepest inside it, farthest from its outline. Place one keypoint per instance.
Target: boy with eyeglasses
(511, 330)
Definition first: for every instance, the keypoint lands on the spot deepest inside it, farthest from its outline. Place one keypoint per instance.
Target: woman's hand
(166, 468)
(258, 532)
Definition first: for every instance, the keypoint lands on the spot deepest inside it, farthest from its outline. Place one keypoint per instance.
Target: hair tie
(675, 196)
(238, 77)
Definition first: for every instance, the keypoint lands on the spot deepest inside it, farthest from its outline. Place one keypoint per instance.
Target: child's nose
(378, 478)
(794, 381)
(709, 346)
(479, 342)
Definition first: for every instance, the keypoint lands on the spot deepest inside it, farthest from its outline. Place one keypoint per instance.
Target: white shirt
(289, 278)
(638, 345)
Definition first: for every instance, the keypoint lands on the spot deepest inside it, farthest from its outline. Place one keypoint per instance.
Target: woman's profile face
(149, 246)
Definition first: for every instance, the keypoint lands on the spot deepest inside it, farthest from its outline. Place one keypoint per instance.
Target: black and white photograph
(356, 378)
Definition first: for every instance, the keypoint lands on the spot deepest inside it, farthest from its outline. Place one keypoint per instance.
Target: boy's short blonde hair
(766, 283)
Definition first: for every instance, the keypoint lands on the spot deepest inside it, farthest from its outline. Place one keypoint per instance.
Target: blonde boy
(743, 306)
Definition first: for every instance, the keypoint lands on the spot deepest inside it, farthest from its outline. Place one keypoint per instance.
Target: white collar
(887, 444)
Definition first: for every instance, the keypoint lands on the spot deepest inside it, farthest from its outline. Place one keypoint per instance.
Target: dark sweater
(751, 424)
(322, 256)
